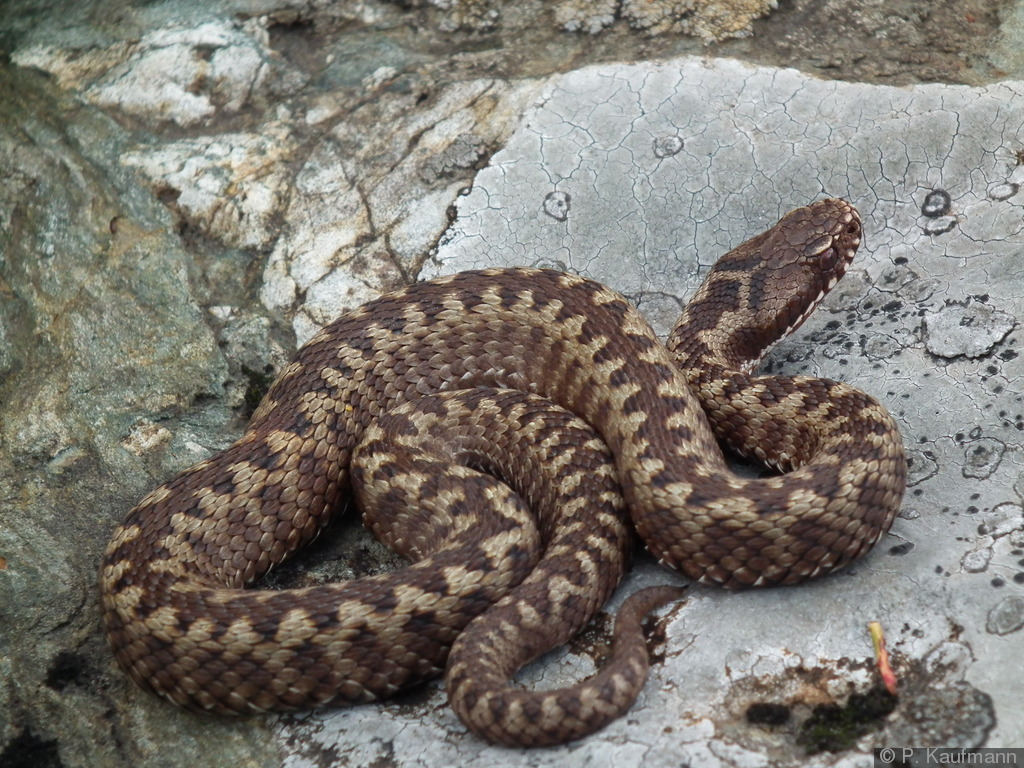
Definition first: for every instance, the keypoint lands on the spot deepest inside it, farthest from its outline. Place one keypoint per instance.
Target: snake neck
(763, 290)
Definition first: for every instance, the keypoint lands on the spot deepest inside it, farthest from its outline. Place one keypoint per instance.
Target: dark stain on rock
(833, 728)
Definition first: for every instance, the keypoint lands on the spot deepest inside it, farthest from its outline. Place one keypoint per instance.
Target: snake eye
(827, 259)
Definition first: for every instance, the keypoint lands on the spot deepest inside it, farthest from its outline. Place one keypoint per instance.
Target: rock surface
(197, 186)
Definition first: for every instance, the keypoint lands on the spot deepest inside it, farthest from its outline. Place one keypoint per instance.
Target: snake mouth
(839, 252)
(799, 320)
(844, 257)
(835, 255)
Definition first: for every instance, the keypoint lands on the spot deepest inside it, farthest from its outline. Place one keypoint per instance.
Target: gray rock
(1007, 616)
(970, 329)
(114, 381)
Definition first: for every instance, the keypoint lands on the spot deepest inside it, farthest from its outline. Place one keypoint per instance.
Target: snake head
(761, 291)
(802, 258)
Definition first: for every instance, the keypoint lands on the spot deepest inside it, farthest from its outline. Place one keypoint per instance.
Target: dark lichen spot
(764, 713)
(901, 549)
(596, 639)
(832, 728)
(28, 751)
(666, 146)
(67, 667)
(168, 195)
(557, 204)
(257, 384)
(936, 204)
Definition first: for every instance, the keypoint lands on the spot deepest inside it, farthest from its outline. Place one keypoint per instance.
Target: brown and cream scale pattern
(582, 362)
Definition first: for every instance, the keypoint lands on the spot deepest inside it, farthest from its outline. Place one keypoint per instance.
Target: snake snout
(852, 231)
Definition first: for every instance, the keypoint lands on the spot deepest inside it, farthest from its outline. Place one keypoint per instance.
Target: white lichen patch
(178, 74)
(474, 15)
(229, 186)
(587, 16)
(710, 20)
(326, 220)
(185, 75)
(146, 436)
(970, 329)
(347, 237)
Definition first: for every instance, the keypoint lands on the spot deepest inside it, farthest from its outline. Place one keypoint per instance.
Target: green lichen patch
(833, 728)
(257, 384)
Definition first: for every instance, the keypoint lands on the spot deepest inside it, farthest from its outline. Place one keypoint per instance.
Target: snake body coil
(557, 386)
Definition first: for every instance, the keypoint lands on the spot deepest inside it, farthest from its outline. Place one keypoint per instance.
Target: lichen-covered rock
(231, 186)
(710, 20)
(586, 16)
(968, 328)
(114, 380)
(347, 234)
(475, 15)
(186, 75)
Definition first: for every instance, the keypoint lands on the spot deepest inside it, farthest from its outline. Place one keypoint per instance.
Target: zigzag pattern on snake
(558, 387)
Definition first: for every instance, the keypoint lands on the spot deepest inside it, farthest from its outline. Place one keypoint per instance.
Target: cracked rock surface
(192, 189)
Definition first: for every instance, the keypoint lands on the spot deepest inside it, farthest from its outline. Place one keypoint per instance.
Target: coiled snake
(556, 385)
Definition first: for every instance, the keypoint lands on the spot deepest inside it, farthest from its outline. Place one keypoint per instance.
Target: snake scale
(507, 430)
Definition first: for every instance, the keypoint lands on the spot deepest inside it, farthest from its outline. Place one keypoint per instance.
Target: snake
(512, 432)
